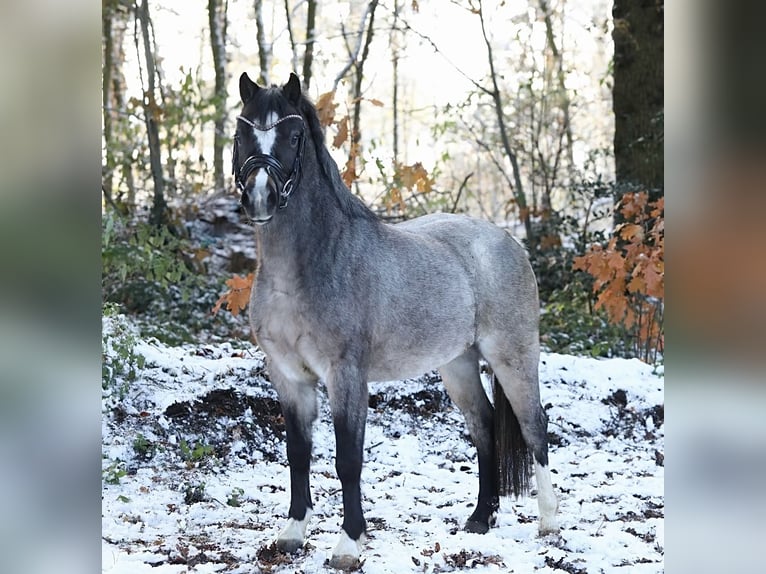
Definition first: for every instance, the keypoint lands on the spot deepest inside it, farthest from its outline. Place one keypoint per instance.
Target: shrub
(629, 273)
(140, 262)
(120, 362)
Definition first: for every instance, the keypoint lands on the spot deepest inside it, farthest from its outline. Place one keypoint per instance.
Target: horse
(341, 297)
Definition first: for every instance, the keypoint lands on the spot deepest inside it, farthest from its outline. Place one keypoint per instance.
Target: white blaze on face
(265, 141)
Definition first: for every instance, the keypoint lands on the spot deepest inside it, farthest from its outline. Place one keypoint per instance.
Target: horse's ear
(292, 89)
(247, 88)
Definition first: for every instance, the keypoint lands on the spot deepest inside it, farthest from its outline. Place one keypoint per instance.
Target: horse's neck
(305, 231)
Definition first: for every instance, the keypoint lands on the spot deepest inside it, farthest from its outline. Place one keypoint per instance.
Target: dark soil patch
(561, 564)
(467, 559)
(629, 422)
(228, 403)
(424, 403)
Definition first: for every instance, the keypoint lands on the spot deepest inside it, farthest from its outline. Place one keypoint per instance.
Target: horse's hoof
(476, 527)
(344, 562)
(346, 554)
(546, 529)
(289, 546)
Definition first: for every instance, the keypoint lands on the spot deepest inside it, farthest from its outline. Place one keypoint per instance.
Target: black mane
(349, 202)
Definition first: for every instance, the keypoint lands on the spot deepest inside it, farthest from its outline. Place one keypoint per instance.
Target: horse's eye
(294, 139)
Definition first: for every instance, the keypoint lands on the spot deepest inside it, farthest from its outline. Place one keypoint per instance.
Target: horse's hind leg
(299, 408)
(516, 368)
(463, 383)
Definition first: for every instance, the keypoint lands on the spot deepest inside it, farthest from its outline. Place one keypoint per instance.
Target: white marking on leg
(293, 535)
(546, 500)
(346, 553)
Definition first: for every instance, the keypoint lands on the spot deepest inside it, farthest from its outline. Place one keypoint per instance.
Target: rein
(286, 182)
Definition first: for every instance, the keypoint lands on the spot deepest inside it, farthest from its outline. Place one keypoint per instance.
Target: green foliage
(183, 112)
(120, 363)
(140, 262)
(157, 276)
(194, 493)
(559, 237)
(196, 453)
(570, 321)
(186, 109)
(143, 447)
(569, 325)
(114, 472)
(235, 496)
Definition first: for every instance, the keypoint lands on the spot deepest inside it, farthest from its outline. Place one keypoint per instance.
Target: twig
(460, 191)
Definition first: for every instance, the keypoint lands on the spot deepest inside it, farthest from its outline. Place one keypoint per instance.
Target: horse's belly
(411, 365)
(409, 352)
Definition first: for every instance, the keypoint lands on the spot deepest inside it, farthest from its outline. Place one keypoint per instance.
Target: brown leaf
(238, 295)
(637, 284)
(658, 208)
(326, 108)
(632, 205)
(654, 274)
(342, 135)
(632, 232)
(349, 172)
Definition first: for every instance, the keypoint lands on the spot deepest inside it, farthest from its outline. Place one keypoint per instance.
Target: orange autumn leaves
(629, 272)
(238, 295)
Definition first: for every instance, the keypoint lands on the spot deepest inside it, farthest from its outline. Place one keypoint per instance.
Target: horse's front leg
(299, 408)
(347, 390)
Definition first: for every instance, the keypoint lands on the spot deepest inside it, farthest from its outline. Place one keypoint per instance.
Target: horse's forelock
(264, 102)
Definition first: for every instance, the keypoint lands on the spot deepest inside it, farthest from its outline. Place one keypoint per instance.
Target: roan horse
(342, 297)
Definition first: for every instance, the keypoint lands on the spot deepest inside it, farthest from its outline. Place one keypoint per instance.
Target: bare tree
(291, 35)
(359, 75)
(158, 214)
(108, 36)
(115, 16)
(495, 94)
(308, 55)
(217, 20)
(562, 94)
(264, 47)
(357, 57)
(394, 43)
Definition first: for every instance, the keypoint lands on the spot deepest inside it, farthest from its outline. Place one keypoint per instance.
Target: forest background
(545, 117)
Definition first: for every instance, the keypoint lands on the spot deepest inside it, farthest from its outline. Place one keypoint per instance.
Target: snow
(419, 480)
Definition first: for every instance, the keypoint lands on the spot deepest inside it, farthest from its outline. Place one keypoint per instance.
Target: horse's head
(268, 146)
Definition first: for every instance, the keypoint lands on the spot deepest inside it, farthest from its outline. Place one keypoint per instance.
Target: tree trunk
(264, 47)
(217, 18)
(518, 190)
(108, 64)
(394, 42)
(356, 134)
(562, 95)
(308, 56)
(291, 36)
(158, 215)
(638, 96)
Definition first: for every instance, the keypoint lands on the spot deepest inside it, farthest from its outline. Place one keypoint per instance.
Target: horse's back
(504, 283)
(483, 247)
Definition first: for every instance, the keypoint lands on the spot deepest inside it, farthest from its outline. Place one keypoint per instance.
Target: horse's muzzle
(260, 197)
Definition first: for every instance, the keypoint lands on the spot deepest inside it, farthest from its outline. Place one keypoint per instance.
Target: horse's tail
(514, 459)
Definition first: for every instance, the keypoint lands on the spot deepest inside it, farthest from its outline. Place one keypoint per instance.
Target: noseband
(286, 182)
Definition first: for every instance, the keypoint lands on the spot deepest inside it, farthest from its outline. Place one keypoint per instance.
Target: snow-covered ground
(196, 478)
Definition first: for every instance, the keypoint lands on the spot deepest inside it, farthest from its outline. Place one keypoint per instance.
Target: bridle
(286, 182)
